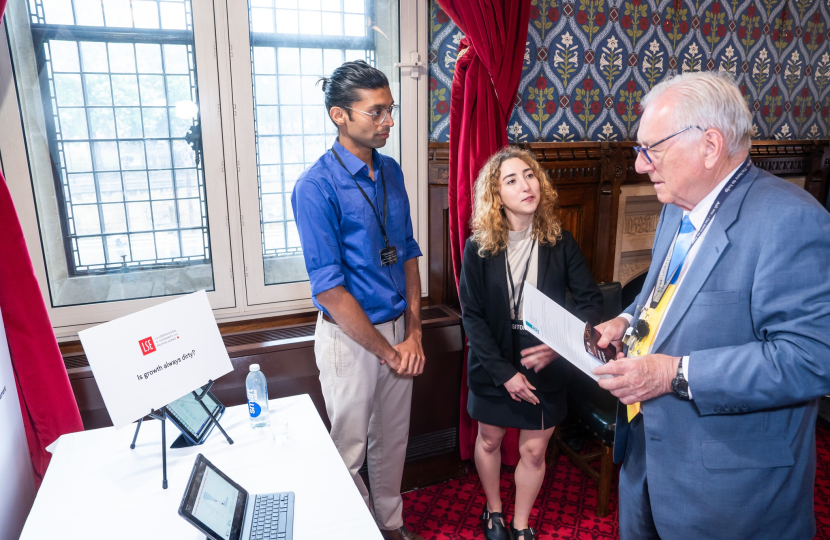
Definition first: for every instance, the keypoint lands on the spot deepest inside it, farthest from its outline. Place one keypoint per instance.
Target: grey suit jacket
(753, 314)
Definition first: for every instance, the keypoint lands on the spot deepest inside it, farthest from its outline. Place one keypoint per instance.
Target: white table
(96, 487)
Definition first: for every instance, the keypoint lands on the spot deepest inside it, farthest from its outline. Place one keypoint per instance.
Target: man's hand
(537, 358)
(639, 378)
(395, 360)
(612, 332)
(521, 389)
(412, 357)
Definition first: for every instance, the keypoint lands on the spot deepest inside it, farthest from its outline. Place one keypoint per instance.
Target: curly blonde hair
(489, 222)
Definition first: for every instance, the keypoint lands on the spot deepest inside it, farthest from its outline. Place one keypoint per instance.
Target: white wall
(18, 491)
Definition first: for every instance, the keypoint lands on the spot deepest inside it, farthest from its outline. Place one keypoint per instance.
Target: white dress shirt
(697, 216)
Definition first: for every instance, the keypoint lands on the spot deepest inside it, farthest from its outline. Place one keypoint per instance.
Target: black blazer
(484, 297)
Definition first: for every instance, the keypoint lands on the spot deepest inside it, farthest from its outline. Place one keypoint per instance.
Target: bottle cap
(254, 367)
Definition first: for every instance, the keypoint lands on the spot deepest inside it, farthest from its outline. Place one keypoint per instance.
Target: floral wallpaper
(588, 63)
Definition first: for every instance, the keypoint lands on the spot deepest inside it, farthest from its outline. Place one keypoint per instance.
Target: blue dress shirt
(340, 234)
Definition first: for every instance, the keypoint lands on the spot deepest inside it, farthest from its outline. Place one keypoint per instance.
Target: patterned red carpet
(564, 508)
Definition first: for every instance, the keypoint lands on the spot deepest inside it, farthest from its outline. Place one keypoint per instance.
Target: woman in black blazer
(514, 379)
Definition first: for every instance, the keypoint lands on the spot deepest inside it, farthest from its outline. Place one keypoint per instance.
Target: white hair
(708, 100)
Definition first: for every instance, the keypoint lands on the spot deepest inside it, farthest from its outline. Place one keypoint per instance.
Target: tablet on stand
(195, 423)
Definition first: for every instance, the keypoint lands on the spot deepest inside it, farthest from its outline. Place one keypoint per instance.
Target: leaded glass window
(293, 44)
(118, 85)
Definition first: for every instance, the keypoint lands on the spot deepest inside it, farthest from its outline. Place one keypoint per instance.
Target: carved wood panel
(577, 209)
(571, 217)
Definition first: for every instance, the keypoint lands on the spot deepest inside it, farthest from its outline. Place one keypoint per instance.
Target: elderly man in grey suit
(727, 344)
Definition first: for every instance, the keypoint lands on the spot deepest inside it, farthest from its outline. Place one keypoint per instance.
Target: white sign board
(148, 359)
(18, 491)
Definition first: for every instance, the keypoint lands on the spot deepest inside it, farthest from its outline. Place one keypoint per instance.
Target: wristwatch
(679, 385)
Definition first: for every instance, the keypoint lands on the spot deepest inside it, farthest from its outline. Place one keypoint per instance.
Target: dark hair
(341, 88)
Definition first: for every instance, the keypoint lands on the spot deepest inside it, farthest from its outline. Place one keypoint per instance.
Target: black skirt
(504, 411)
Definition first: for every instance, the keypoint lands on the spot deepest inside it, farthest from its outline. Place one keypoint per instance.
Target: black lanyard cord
(368, 200)
(516, 302)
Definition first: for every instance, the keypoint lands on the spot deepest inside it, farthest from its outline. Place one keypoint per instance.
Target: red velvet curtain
(484, 89)
(46, 399)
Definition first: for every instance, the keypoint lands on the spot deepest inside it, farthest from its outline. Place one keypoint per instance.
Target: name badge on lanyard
(388, 254)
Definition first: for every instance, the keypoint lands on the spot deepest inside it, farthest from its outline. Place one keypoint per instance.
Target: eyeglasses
(379, 117)
(644, 149)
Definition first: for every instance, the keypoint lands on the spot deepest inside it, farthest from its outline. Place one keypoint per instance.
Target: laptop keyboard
(270, 517)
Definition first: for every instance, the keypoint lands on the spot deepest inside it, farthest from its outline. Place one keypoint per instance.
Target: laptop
(223, 510)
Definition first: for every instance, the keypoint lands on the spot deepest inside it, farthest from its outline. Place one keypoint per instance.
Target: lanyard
(368, 200)
(522, 286)
(662, 281)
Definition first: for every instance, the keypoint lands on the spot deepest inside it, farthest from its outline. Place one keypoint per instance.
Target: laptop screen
(213, 502)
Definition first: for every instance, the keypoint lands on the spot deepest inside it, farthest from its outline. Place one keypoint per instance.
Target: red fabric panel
(484, 87)
(46, 398)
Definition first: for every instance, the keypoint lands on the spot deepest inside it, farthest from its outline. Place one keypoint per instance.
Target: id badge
(388, 256)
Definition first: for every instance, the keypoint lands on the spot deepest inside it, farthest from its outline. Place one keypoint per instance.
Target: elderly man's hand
(612, 332)
(639, 378)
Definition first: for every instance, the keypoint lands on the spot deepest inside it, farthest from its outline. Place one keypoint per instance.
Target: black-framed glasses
(644, 149)
(379, 117)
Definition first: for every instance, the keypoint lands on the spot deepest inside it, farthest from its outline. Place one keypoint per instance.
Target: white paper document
(557, 328)
(148, 359)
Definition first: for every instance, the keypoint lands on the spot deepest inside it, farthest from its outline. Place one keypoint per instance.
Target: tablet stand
(181, 441)
(161, 415)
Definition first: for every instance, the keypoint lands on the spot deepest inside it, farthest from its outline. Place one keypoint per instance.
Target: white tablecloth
(96, 487)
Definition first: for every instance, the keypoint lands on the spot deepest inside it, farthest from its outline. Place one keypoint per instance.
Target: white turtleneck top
(519, 244)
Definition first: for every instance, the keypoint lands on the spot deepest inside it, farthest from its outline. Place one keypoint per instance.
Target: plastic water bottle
(257, 389)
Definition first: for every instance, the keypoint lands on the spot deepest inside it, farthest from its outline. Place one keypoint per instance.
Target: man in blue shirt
(352, 213)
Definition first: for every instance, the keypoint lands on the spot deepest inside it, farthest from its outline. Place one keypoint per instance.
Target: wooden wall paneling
(435, 395)
(290, 368)
(576, 182)
(613, 167)
(90, 403)
(577, 208)
(438, 244)
(817, 181)
(441, 284)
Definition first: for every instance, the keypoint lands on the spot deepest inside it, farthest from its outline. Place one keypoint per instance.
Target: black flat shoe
(524, 534)
(497, 531)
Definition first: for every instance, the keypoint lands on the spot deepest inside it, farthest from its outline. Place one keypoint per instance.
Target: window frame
(220, 30)
(108, 35)
(296, 297)
(68, 320)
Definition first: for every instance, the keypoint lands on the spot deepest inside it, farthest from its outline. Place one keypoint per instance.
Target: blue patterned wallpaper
(588, 63)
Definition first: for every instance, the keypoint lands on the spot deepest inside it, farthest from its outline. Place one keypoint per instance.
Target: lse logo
(147, 346)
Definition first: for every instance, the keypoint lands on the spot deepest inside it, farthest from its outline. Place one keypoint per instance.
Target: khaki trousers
(367, 402)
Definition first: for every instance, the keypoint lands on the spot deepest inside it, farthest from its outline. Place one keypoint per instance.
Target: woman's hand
(521, 389)
(537, 358)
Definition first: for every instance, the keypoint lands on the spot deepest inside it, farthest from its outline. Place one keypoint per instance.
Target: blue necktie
(681, 247)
